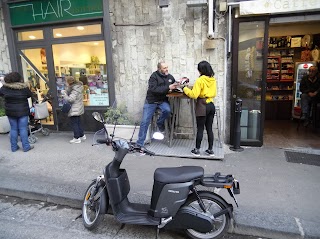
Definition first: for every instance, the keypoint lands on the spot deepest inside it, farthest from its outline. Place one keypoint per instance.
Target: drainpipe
(211, 18)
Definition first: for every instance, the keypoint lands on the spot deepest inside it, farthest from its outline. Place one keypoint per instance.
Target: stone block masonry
(143, 34)
(5, 65)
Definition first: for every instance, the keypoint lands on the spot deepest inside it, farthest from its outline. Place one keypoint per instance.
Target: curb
(76, 203)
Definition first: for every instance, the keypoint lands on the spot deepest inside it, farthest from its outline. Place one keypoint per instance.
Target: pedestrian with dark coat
(74, 96)
(160, 82)
(16, 93)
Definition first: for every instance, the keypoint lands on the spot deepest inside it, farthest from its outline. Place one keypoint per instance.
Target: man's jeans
(305, 103)
(148, 112)
(19, 125)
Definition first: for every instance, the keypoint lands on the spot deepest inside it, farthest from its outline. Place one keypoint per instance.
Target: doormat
(303, 158)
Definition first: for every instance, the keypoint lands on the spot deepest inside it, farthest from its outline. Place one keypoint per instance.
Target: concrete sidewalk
(278, 199)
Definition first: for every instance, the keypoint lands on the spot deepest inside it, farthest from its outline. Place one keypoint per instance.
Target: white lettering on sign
(277, 6)
(48, 9)
(57, 8)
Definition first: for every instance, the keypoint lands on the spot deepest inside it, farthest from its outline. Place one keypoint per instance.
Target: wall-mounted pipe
(229, 30)
(211, 18)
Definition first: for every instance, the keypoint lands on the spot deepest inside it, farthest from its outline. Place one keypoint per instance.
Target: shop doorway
(290, 47)
(265, 75)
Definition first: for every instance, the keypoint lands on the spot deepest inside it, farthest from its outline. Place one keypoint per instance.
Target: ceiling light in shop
(32, 37)
(96, 43)
(59, 35)
(80, 28)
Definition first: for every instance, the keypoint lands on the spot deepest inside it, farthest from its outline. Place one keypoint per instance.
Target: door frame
(234, 75)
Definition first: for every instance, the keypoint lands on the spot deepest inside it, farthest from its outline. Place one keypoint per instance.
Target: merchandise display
(289, 58)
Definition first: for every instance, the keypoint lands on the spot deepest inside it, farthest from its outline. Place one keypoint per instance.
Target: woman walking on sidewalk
(16, 93)
(74, 96)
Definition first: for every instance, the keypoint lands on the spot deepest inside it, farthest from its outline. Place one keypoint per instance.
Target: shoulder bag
(66, 107)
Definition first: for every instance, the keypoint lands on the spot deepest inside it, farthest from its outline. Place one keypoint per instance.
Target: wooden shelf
(281, 48)
(279, 90)
(277, 100)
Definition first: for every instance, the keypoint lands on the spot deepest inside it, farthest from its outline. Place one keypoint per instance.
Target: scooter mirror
(158, 135)
(98, 117)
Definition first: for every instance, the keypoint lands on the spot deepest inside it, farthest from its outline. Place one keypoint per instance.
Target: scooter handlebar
(136, 148)
(103, 141)
(148, 152)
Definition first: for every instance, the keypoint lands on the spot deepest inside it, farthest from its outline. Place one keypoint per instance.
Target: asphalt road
(20, 218)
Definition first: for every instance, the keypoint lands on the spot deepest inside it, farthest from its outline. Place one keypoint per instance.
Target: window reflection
(30, 35)
(86, 61)
(81, 30)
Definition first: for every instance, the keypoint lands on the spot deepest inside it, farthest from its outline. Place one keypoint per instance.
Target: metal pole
(237, 129)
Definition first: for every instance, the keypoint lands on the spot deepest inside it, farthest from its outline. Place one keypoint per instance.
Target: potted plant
(125, 125)
(4, 122)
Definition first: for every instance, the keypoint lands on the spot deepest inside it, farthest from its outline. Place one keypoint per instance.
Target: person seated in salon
(310, 88)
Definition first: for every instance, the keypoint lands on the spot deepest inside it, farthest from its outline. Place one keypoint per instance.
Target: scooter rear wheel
(213, 205)
(93, 210)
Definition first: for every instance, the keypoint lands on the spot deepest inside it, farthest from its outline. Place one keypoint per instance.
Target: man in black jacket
(160, 83)
(310, 88)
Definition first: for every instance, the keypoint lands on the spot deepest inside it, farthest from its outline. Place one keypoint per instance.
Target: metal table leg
(173, 120)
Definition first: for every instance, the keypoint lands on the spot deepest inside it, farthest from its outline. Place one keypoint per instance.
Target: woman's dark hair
(205, 69)
(13, 77)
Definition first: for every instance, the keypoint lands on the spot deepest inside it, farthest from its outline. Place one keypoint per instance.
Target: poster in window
(43, 56)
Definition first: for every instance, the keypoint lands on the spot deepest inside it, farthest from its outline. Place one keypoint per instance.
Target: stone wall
(143, 34)
(5, 65)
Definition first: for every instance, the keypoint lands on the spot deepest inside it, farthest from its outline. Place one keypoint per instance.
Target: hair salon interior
(259, 51)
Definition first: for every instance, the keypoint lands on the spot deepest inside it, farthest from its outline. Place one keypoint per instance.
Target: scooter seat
(178, 174)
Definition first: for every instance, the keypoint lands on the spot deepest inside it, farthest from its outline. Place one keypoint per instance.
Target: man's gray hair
(159, 64)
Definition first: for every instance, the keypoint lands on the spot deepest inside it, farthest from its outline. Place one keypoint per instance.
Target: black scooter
(182, 197)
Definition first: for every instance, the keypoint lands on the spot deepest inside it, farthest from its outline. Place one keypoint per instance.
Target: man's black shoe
(306, 123)
(161, 128)
(304, 116)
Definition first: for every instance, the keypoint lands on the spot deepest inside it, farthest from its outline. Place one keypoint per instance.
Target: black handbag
(66, 107)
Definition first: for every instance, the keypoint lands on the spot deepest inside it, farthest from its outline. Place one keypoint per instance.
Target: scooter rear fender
(228, 206)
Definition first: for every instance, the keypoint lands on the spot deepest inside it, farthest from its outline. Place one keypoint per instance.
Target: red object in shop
(297, 111)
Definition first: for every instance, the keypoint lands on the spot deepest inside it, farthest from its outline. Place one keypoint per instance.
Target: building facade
(124, 41)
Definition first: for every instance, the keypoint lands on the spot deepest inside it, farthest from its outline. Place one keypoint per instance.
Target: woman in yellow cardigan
(204, 90)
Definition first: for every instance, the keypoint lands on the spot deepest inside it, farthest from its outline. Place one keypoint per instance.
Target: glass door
(249, 77)
(35, 72)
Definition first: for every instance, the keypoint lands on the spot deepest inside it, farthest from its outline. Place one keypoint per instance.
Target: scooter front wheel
(213, 205)
(94, 206)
